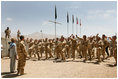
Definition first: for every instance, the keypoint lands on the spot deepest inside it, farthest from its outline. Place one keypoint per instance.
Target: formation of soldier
(89, 48)
(74, 47)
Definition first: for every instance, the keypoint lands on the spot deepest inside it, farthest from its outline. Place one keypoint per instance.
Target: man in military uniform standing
(18, 35)
(7, 33)
(105, 44)
(74, 46)
(21, 51)
(84, 47)
(114, 48)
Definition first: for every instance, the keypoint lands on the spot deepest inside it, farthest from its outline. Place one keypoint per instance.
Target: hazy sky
(33, 16)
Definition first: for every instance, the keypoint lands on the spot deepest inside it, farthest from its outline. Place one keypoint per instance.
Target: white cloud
(101, 14)
(9, 19)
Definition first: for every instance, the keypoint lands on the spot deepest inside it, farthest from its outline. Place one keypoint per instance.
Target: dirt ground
(56, 69)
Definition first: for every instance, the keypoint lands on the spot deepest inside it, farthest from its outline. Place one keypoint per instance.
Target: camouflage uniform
(36, 49)
(98, 46)
(104, 45)
(41, 49)
(68, 46)
(90, 47)
(114, 49)
(47, 50)
(74, 46)
(59, 51)
(30, 50)
(21, 51)
(18, 34)
(84, 43)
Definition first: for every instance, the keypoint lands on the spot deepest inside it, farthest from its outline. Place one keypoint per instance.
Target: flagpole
(80, 30)
(80, 27)
(55, 28)
(73, 24)
(72, 28)
(76, 29)
(67, 30)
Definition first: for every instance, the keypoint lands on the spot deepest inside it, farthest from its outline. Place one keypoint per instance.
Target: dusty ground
(69, 69)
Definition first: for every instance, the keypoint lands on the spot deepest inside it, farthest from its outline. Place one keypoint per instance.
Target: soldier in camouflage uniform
(18, 35)
(68, 47)
(47, 49)
(59, 48)
(74, 46)
(21, 51)
(36, 48)
(50, 45)
(7, 33)
(90, 47)
(114, 48)
(55, 47)
(104, 45)
(84, 43)
(41, 48)
(98, 45)
(30, 50)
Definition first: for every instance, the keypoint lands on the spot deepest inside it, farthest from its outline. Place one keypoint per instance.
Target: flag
(76, 20)
(80, 22)
(72, 18)
(67, 18)
(55, 12)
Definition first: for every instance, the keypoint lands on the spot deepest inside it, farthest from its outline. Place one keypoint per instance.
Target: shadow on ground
(8, 75)
(111, 65)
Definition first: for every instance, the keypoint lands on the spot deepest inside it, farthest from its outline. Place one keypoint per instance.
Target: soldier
(84, 43)
(21, 50)
(74, 46)
(41, 48)
(47, 50)
(36, 49)
(104, 45)
(68, 46)
(50, 44)
(7, 33)
(90, 47)
(30, 50)
(18, 35)
(59, 48)
(98, 45)
(114, 48)
(55, 46)
(80, 47)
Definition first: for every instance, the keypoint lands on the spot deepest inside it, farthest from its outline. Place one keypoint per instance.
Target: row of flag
(68, 17)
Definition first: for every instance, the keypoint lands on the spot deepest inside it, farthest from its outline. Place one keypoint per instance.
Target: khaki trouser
(115, 55)
(73, 53)
(60, 54)
(103, 53)
(90, 53)
(21, 64)
(98, 54)
(48, 51)
(84, 52)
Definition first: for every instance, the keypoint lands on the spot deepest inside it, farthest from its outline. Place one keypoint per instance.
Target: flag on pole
(55, 12)
(72, 18)
(80, 22)
(67, 18)
(76, 20)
